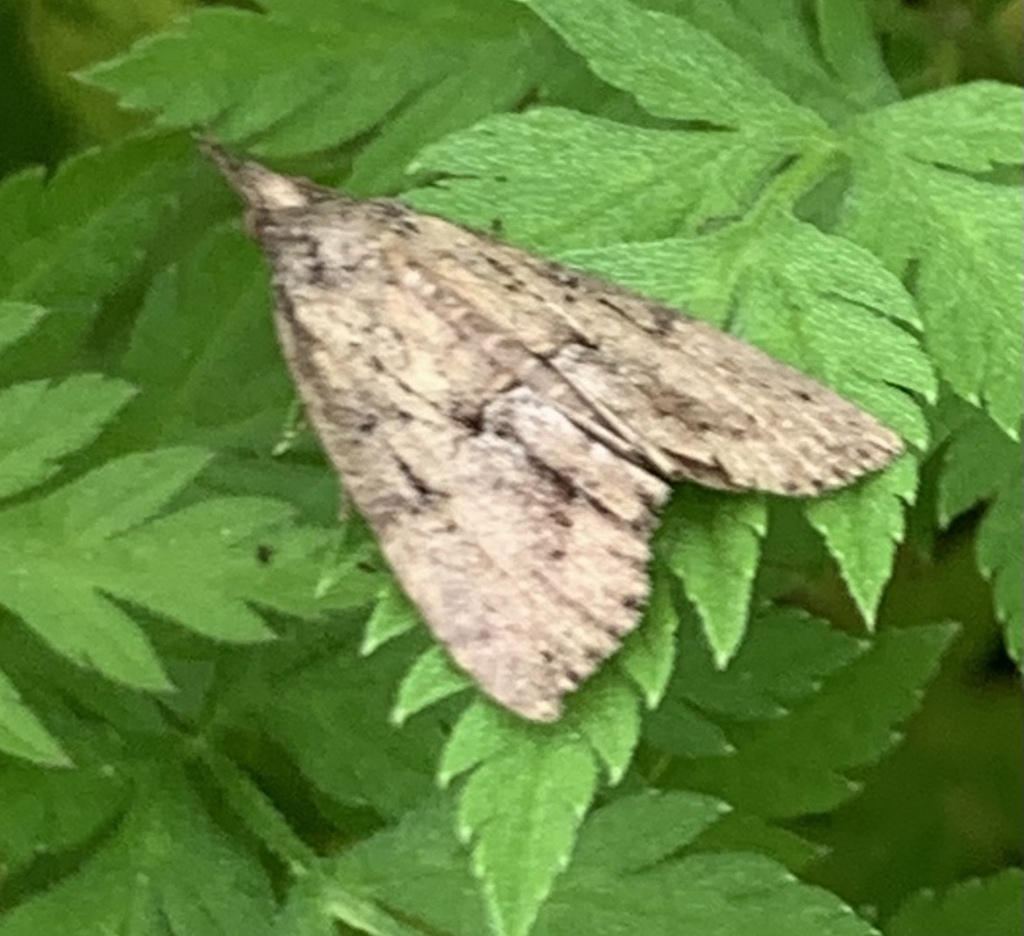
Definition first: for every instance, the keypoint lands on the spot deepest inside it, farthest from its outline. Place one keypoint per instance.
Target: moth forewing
(508, 427)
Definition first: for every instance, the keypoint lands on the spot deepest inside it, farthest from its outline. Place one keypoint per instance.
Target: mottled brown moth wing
(673, 394)
(508, 426)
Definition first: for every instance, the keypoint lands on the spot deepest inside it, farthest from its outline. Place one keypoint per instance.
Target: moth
(509, 426)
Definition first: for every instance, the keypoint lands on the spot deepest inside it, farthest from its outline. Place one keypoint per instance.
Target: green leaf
(408, 880)
(712, 542)
(981, 906)
(22, 734)
(678, 730)
(18, 319)
(204, 355)
(795, 764)
(849, 46)
(673, 68)
(255, 808)
(41, 423)
(300, 81)
(494, 74)
(862, 526)
(982, 464)
(79, 237)
(983, 113)
(122, 494)
(638, 832)
(520, 807)
(76, 236)
(627, 874)
(318, 902)
(610, 722)
(479, 735)
(168, 868)
(324, 705)
(55, 811)
(957, 232)
(628, 869)
(433, 677)
(742, 832)
(827, 306)
(783, 661)
(648, 653)
(558, 179)
(393, 615)
(1000, 558)
(47, 581)
(819, 56)
(739, 892)
(977, 466)
(98, 536)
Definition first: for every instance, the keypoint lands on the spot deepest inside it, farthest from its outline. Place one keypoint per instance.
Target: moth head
(258, 186)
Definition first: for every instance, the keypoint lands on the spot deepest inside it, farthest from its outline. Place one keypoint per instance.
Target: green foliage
(715, 537)
(989, 907)
(218, 711)
(983, 465)
(310, 76)
(630, 869)
(159, 869)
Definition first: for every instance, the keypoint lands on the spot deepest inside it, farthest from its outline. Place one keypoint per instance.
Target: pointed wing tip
(892, 448)
(824, 471)
(884, 447)
(868, 446)
(874, 454)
